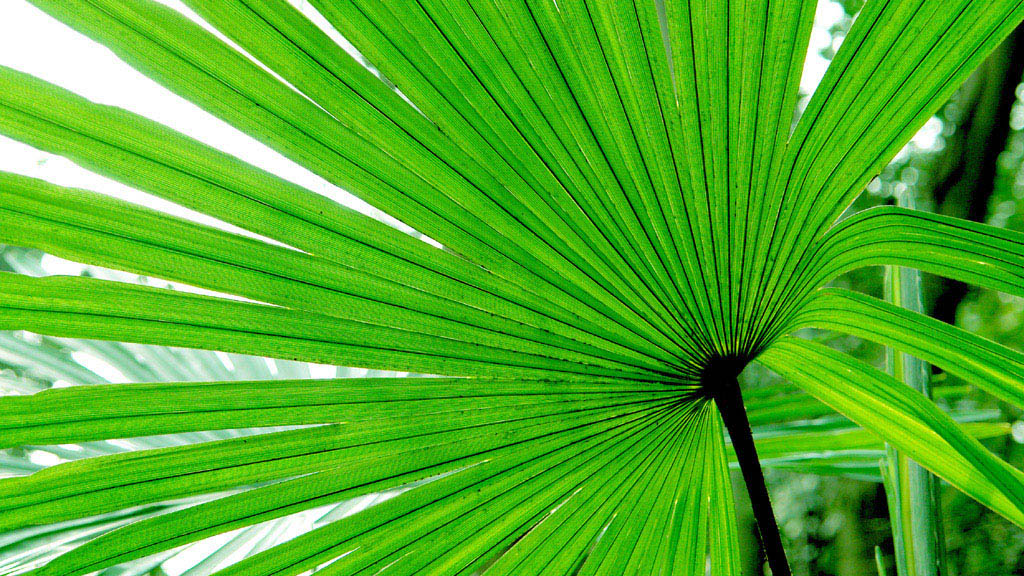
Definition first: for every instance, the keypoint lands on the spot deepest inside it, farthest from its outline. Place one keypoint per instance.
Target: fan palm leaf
(622, 217)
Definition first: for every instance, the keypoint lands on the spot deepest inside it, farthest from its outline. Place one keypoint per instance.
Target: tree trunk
(965, 173)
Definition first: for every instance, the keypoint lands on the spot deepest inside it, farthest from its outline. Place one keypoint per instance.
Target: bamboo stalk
(912, 490)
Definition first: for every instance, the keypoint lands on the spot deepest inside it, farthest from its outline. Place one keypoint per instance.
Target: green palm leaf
(621, 217)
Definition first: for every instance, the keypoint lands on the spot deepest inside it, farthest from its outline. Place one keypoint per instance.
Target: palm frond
(621, 217)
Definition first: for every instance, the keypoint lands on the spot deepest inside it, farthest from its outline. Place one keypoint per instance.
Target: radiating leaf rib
(537, 54)
(903, 418)
(662, 547)
(87, 308)
(900, 61)
(473, 42)
(507, 469)
(992, 367)
(582, 76)
(686, 536)
(489, 98)
(86, 487)
(641, 518)
(569, 32)
(734, 122)
(67, 415)
(571, 550)
(403, 52)
(187, 172)
(585, 511)
(100, 230)
(623, 134)
(686, 27)
(472, 541)
(724, 552)
(968, 251)
(467, 540)
(576, 36)
(688, 533)
(259, 504)
(225, 82)
(781, 58)
(466, 17)
(974, 253)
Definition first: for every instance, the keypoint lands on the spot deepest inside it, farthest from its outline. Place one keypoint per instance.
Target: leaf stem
(727, 396)
(917, 523)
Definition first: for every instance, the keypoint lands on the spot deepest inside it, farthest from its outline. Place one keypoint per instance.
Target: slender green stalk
(911, 488)
(890, 475)
(879, 562)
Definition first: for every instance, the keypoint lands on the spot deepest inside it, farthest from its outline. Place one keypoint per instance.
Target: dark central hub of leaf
(720, 370)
